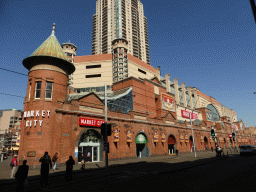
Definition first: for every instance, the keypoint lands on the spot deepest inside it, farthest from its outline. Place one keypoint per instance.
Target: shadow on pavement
(115, 173)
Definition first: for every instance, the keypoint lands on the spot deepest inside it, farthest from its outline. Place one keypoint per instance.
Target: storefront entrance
(171, 144)
(89, 146)
(141, 149)
(205, 143)
(231, 143)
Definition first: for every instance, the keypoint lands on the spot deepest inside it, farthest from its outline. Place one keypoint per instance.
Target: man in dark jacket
(69, 168)
(46, 162)
(83, 159)
(21, 176)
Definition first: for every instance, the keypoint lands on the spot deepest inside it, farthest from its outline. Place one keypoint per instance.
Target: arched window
(89, 136)
(213, 115)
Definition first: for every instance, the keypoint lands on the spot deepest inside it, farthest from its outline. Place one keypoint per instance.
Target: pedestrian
(206, 148)
(21, 176)
(46, 162)
(14, 166)
(69, 168)
(54, 160)
(82, 161)
(88, 156)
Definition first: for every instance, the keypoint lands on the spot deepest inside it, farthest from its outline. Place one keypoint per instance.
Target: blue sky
(207, 44)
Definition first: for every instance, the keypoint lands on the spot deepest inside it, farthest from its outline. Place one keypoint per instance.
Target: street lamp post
(106, 136)
(190, 116)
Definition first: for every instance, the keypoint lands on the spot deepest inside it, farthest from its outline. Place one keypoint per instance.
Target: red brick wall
(60, 132)
(45, 141)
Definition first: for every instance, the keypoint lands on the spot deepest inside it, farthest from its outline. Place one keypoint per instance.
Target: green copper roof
(50, 52)
(50, 47)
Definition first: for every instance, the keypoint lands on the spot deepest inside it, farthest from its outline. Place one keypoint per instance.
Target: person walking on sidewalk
(83, 161)
(54, 160)
(14, 166)
(21, 176)
(69, 168)
(46, 162)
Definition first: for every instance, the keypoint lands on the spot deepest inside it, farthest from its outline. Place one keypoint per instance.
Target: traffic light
(212, 132)
(103, 129)
(233, 135)
(106, 147)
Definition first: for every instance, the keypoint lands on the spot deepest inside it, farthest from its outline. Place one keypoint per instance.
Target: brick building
(149, 116)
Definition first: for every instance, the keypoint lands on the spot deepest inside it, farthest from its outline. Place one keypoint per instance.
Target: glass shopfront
(89, 146)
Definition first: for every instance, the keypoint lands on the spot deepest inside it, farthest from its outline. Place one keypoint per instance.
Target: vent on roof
(93, 66)
(144, 72)
(92, 76)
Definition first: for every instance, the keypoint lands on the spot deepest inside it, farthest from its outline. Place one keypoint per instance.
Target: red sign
(185, 114)
(90, 122)
(230, 135)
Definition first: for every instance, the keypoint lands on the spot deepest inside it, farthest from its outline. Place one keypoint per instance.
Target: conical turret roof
(50, 47)
(49, 51)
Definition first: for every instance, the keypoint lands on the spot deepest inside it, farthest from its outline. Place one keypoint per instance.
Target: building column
(184, 94)
(194, 91)
(158, 72)
(190, 96)
(177, 98)
(168, 83)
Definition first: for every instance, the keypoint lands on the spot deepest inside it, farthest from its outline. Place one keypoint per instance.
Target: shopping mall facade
(149, 114)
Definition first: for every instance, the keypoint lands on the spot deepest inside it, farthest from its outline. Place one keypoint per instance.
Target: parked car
(247, 150)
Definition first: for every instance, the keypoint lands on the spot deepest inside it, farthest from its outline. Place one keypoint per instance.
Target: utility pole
(190, 116)
(106, 129)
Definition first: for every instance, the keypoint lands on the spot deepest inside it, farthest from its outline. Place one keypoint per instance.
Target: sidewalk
(5, 168)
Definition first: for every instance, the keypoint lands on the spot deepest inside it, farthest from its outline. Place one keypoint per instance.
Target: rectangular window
(93, 66)
(38, 89)
(92, 76)
(48, 90)
(144, 72)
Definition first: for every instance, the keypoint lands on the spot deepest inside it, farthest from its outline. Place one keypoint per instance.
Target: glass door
(95, 154)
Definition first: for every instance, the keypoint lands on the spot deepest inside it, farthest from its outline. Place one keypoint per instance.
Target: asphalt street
(233, 173)
(226, 173)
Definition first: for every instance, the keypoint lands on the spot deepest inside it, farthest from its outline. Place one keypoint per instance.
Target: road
(227, 173)
(234, 173)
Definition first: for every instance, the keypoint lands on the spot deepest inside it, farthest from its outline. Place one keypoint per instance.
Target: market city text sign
(185, 114)
(90, 122)
(35, 114)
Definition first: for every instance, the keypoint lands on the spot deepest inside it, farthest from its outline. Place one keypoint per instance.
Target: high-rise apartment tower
(115, 19)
